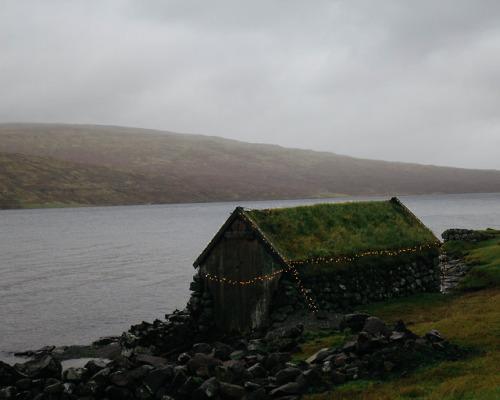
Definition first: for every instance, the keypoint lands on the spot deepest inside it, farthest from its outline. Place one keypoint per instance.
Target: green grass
(469, 317)
(485, 257)
(342, 229)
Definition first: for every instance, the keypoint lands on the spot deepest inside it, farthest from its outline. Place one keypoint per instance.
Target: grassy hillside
(469, 317)
(58, 164)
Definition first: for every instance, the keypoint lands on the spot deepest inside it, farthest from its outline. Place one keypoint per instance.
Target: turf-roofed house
(264, 264)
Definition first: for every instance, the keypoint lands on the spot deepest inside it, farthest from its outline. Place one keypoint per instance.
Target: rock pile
(229, 367)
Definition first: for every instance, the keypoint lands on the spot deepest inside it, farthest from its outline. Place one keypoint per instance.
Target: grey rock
(237, 355)
(202, 361)
(7, 393)
(287, 375)
(150, 360)
(258, 371)
(204, 348)
(232, 392)
(73, 374)
(258, 394)
(23, 384)
(224, 374)
(156, 378)
(356, 321)
(46, 367)
(364, 343)
(129, 377)
(433, 336)
(222, 352)
(208, 390)
(54, 388)
(289, 388)
(375, 326)
(188, 388)
(142, 394)
(94, 366)
(117, 393)
(314, 357)
(349, 347)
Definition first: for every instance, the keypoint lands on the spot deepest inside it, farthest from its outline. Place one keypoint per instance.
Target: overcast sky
(413, 81)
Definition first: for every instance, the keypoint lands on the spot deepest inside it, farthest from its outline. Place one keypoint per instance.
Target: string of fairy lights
(332, 260)
(249, 282)
(291, 264)
(290, 267)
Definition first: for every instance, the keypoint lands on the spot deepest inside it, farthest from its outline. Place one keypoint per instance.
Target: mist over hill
(43, 165)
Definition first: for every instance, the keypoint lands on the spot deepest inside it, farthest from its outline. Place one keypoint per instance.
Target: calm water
(70, 276)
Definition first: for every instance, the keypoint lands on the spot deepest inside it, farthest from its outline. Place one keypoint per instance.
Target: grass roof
(341, 229)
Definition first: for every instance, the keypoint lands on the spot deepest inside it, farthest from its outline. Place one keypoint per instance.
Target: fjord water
(72, 275)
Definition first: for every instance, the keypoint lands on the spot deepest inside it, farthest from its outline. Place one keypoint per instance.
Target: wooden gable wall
(239, 257)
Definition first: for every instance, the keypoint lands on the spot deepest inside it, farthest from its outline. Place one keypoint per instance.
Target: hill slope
(60, 164)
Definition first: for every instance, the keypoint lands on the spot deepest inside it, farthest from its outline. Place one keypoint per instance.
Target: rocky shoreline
(184, 357)
(254, 367)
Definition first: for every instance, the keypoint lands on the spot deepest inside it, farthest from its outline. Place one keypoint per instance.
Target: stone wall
(359, 285)
(467, 235)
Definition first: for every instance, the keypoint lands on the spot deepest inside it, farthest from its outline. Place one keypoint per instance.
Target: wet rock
(74, 374)
(45, 367)
(94, 366)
